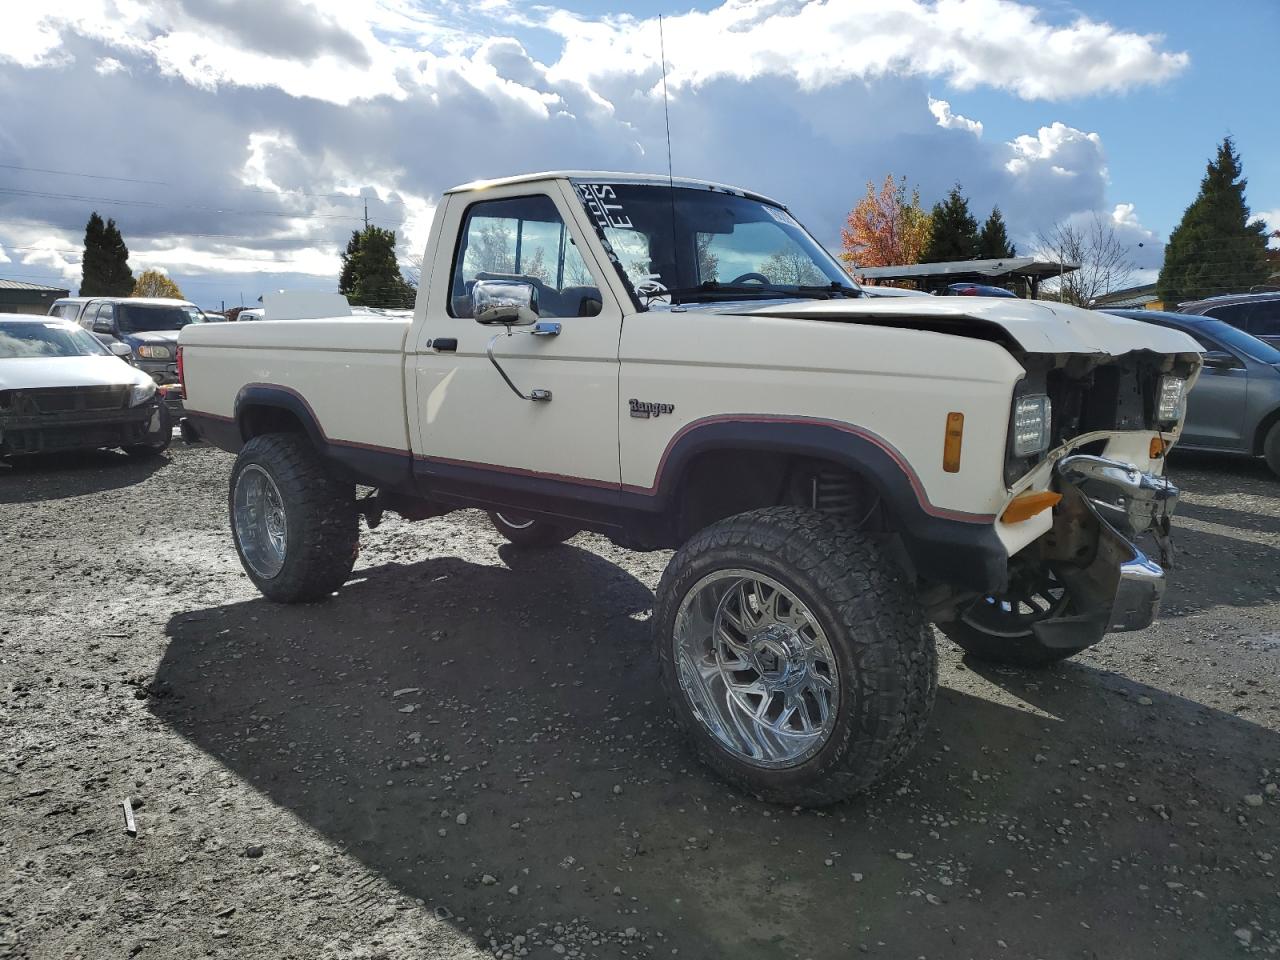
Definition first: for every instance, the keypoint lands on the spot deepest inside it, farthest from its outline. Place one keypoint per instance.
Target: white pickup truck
(678, 364)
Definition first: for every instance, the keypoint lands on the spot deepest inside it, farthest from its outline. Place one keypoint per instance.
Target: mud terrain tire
(883, 652)
(320, 522)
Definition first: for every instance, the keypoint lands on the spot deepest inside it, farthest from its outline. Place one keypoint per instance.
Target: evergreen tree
(993, 241)
(116, 273)
(370, 274)
(1215, 248)
(347, 279)
(92, 263)
(955, 231)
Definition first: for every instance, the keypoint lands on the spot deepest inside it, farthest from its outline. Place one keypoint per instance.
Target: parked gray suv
(1257, 314)
(1235, 405)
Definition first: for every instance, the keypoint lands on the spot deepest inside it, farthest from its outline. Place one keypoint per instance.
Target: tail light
(182, 379)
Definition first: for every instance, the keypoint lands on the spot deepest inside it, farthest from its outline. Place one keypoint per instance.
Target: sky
(236, 142)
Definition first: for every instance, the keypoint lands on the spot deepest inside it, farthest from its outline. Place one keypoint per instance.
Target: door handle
(444, 344)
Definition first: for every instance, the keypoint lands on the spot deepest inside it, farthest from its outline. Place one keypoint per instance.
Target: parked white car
(681, 365)
(61, 389)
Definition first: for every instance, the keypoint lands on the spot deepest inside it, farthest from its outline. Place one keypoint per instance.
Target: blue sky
(260, 127)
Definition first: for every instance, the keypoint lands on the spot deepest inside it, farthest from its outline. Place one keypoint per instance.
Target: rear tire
(1271, 448)
(794, 654)
(295, 525)
(526, 532)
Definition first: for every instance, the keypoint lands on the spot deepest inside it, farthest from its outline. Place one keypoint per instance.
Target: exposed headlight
(152, 352)
(1173, 394)
(142, 392)
(1031, 416)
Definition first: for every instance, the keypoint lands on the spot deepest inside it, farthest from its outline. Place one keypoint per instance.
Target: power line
(77, 198)
(163, 183)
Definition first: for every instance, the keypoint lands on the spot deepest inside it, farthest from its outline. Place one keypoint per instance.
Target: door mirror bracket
(511, 303)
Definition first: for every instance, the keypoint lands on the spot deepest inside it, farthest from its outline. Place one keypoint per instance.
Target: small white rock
(488, 880)
(514, 890)
(461, 819)
(1145, 701)
(903, 855)
(1253, 799)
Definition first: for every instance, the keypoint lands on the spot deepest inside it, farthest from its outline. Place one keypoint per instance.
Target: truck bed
(348, 370)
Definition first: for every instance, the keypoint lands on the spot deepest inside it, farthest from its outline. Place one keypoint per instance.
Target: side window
(523, 237)
(90, 314)
(1236, 314)
(104, 320)
(1264, 321)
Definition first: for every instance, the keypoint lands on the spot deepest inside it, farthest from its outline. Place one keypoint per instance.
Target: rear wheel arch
(263, 409)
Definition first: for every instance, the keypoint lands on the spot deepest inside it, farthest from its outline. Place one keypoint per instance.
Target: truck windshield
(692, 244)
(150, 317)
(52, 339)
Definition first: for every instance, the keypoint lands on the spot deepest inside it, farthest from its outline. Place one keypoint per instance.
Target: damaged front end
(1113, 586)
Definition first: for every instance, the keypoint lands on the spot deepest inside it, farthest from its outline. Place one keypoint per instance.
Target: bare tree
(1102, 257)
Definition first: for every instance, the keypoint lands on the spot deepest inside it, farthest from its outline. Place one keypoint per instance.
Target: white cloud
(1048, 147)
(307, 105)
(1272, 218)
(968, 43)
(941, 111)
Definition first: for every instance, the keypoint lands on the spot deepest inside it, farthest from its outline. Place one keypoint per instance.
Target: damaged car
(61, 389)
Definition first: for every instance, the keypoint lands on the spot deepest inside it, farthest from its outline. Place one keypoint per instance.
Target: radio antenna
(671, 180)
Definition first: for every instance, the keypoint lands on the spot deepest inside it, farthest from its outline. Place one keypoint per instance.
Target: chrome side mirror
(120, 349)
(507, 303)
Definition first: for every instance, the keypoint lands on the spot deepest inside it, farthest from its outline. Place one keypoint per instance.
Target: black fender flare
(282, 398)
(945, 545)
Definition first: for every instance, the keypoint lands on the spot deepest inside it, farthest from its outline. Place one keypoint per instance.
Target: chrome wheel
(257, 514)
(756, 667)
(515, 523)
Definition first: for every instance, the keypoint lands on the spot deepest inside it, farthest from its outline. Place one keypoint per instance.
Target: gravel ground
(465, 754)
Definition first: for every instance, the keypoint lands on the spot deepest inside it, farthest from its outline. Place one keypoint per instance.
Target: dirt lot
(467, 747)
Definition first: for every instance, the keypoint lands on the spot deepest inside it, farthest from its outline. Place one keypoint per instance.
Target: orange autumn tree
(887, 227)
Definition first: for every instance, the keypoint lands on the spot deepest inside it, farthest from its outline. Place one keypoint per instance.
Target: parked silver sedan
(1235, 405)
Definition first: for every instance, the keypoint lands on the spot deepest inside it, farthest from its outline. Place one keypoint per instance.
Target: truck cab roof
(652, 179)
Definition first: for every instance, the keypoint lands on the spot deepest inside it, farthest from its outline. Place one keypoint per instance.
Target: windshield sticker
(780, 215)
(602, 203)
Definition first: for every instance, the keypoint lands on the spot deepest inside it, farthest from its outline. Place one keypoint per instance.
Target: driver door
(477, 441)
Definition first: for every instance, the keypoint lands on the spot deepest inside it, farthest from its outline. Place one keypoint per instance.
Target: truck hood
(1037, 326)
(152, 336)
(29, 373)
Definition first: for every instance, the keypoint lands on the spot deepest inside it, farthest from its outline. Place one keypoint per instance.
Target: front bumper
(1106, 505)
(81, 430)
(161, 371)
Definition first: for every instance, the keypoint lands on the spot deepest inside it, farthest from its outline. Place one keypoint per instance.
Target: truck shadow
(54, 476)
(526, 696)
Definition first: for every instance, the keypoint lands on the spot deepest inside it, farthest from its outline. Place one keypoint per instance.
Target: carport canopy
(934, 276)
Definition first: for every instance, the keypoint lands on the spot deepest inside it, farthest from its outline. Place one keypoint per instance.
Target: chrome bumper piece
(1115, 586)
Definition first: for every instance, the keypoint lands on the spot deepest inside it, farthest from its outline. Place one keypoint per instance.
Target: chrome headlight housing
(1030, 428)
(1171, 400)
(142, 392)
(149, 351)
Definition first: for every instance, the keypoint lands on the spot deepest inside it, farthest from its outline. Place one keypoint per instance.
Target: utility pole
(366, 214)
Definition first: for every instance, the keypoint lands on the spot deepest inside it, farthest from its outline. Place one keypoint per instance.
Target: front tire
(159, 442)
(795, 655)
(1271, 448)
(999, 629)
(295, 525)
(526, 532)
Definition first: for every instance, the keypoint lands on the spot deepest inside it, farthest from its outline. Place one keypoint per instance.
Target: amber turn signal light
(1026, 505)
(951, 445)
(1157, 448)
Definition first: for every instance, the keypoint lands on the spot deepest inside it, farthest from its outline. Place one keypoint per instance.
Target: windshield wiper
(714, 290)
(834, 287)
